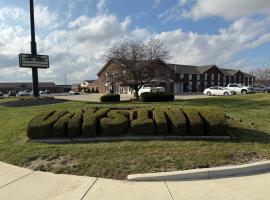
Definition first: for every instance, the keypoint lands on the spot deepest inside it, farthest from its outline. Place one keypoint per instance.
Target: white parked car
(240, 89)
(25, 93)
(151, 89)
(71, 92)
(218, 91)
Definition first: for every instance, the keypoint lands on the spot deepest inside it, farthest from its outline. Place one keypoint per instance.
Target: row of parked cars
(233, 89)
(23, 93)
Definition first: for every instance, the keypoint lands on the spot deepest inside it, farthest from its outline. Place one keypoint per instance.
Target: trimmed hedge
(215, 122)
(139, 121)
(177, 121)
(60, 127)
(195, 122)
(148, 97)
(42, 126)
(75, 124)
(165, 96)
(157, 97)
(160, 121)
(116, 123)
(142, 125)
(91, 126)
(110, 98)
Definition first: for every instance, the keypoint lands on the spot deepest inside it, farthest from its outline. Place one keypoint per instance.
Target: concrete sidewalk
(18, 184)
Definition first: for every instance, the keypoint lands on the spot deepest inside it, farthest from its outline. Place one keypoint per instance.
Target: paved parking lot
(124, 97)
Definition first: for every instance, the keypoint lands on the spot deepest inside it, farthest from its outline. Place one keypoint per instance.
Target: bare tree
(139, 63)
(262, 75)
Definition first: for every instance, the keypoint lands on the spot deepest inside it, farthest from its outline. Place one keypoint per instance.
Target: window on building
(190, 77)
(190, 87)
(198, 77)
(181, 76)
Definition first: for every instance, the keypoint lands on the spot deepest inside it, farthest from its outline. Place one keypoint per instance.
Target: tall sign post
(33, 60)
(33, 49)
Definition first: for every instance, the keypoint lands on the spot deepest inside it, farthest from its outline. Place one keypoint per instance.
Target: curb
(205, 173)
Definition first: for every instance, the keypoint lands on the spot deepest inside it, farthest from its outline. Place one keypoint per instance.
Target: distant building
(89, 86)
(76, 87)
(21, 86)
(185, 78)
(189, 78)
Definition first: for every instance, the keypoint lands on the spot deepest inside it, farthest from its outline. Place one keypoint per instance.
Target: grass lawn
(118, 159)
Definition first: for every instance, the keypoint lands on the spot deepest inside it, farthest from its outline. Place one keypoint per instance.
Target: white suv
(240, 89)
(151, 89)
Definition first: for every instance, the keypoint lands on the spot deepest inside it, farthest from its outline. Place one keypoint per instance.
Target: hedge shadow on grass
(245, 135)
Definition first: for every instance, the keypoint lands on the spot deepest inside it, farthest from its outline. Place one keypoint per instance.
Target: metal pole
(33, 49)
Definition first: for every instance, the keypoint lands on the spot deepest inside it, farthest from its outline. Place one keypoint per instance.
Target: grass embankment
(117, 159)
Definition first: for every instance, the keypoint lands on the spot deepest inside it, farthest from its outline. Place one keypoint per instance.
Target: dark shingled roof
(119, 61)
(190, 69)
(229, 72)
(184, 69)
(90, 81)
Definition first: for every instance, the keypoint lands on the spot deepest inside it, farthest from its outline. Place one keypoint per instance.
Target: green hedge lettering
(143, 125)
(42, 126)
(91, 121)
(195, 123)
(177, 121)
(60, 127)
(96, 122)
(215, 122)
(116, 123)
(160, 121)
(75, 124)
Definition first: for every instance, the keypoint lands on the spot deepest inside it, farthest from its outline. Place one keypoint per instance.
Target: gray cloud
(76, 50)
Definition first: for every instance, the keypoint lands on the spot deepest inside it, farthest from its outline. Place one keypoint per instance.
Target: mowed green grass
(118, 159)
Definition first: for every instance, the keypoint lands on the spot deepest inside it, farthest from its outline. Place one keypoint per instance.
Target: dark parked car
(1, 94)
(258, 88)
(12, 94)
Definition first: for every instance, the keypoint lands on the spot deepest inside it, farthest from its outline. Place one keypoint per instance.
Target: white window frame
(190, 77)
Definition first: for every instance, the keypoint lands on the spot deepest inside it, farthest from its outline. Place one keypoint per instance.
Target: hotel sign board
(33, 61)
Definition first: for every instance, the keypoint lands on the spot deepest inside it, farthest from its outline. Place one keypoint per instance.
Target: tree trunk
(137, 94)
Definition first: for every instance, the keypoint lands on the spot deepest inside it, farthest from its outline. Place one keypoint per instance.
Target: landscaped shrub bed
(110, 98)
(157, 97)
(96, 122)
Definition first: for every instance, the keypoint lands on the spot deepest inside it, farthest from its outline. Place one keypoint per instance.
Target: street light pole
(33, 49)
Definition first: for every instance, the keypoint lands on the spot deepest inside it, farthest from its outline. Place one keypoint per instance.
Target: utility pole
(33, 49)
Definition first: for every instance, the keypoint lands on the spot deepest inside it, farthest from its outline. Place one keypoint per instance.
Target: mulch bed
(31, 102)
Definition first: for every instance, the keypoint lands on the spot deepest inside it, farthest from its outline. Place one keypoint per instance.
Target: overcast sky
(76, 33)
